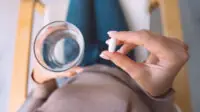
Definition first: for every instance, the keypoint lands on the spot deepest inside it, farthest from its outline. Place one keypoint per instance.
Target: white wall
(8, 25)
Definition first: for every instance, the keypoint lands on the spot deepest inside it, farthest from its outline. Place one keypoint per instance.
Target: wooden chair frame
(171, 26)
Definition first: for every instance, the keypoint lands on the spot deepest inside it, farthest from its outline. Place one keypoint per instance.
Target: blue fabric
(95, 18)
(81, 14)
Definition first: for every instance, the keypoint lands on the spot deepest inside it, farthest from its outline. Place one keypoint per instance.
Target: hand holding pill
(167, 56)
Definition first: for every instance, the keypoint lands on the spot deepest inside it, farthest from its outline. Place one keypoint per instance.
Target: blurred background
(190, 18)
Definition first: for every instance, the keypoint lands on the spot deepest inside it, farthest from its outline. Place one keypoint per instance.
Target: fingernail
(110, 33)
(102, 55)
(108, 41)
(79, 70)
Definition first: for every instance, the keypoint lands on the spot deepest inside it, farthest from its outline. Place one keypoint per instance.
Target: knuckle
(186, 47)
(180, 42)
(185, 56)
(179, 57)
(144, 33)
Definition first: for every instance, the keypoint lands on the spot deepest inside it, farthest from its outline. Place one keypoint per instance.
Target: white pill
(112, 45)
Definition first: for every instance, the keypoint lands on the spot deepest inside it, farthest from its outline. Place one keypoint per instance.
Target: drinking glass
(59, 46)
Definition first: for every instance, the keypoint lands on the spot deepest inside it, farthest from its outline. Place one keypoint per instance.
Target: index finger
(150, 41)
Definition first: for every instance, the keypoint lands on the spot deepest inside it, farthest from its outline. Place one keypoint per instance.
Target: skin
(155, 75)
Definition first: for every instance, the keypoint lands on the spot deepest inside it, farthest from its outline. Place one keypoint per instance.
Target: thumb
(124, 62)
